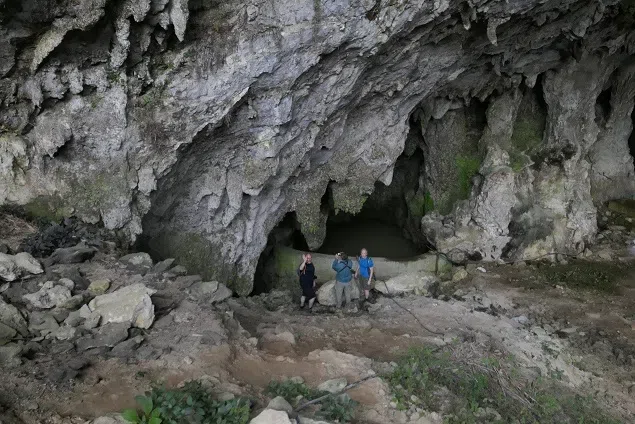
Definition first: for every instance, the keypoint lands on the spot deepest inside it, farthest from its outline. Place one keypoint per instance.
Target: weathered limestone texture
(201, 124)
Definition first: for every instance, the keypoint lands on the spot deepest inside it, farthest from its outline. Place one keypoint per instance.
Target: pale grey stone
(49, 296)
(130, 304)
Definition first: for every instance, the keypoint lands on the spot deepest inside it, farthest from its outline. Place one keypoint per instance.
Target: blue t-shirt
(343, 270)
(365, 264)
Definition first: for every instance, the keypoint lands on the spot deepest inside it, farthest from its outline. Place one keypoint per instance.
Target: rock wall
(201, 124)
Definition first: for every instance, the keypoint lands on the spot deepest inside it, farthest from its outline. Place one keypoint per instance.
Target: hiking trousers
(346, 289)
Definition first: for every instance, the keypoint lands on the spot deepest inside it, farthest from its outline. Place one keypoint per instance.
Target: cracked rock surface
(199, 125)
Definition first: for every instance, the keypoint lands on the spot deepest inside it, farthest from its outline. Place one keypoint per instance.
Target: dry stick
(321, 398)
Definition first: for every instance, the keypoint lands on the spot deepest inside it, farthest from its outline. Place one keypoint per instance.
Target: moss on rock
(203, 256)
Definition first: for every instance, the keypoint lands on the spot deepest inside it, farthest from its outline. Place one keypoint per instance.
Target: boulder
(71, 255)
(98, 287)
(459, 275)
(419, 283)
(73, 303)
(108, 335)
(270, 416)
(11, 316)
(115, 419)
(210, 291)
(178, 270)
(140, 262)
(280, 404)
(10, 355)
(6, 334)
(130, 304)
(65, 332)
(221, 294)
(28, 264)
(333, 386)
(13, 267)
(161, 267)
(49, 296)
(42, 323)
(127, 348)
(326, 293)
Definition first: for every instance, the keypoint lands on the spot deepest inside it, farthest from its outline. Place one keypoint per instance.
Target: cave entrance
(389, 224)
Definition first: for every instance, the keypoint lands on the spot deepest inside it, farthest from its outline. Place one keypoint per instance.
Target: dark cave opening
(388, 225)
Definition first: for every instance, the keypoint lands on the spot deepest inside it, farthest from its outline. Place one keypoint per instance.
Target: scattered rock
(333, 386)
(13, 267)
(108, 335)
(6, 334)
(140, 262)
(420, 282)
(326, 293)
(162, 266)
(605, 255)
(71, 255)
(126, 348)
(27, 264)
(42, 323)
(221, 294)
(480, 268)
(116, 419)
(99, 287)
(10, 355)
(74, 319)
(203, 288)
(460, 274)
(270, 416)
(66, 282)
(73, 303)
(92, 321)
(130, 304)
(280, 404)
(304, 420)
(521, 319)
(178, 270)
(11, 316)
(65, 332)
(49, 296)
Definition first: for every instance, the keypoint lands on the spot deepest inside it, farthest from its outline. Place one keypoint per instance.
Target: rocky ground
(84, 329)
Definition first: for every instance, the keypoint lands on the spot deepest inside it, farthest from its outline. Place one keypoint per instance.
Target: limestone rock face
(130, 304)
(199, 125)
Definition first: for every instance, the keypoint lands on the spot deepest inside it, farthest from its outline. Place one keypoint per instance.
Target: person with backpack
(343, 268)
(365, 273)
(306, 272)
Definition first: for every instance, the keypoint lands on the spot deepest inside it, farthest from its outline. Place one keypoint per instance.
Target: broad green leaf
(130, 415)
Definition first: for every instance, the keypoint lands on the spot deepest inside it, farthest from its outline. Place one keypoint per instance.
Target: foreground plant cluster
(486, 391)
(192, 404)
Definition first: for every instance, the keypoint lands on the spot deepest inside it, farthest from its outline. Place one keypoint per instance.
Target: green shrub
(585, 275)
(338, 408)
(290, 390)
(191, 404)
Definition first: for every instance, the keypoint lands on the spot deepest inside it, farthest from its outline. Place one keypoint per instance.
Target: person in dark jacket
(306, 272)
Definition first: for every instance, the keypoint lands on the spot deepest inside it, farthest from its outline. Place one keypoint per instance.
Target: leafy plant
(192, 404)
(338, 408)
(149, 414)
(333, 408)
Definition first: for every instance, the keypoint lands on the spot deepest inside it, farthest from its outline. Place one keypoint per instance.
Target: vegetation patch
(338, 408)
(191, 404)
(585, 275)
(489, 390)
(467, 168)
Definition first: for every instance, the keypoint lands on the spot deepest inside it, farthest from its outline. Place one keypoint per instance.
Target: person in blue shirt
(343, 268)
(365, 273)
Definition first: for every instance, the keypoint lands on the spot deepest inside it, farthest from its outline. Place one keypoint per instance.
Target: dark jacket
(307, 276)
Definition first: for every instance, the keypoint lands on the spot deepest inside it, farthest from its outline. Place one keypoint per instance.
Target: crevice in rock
(631, 139)
(603, 107)
(286, 233)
